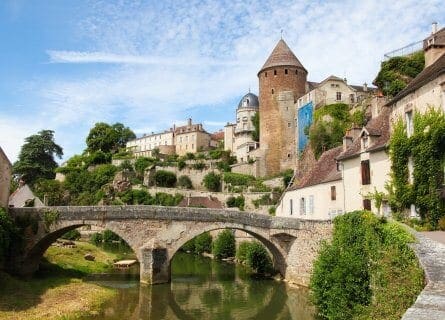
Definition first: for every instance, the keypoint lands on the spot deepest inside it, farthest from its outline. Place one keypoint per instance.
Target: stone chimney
(350, 136)
(365, 87)
(189, 122)
(433, 27)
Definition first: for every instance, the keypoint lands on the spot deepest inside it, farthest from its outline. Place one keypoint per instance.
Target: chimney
(433, 27)
(365, 87)
(347, 142)
(189, 122)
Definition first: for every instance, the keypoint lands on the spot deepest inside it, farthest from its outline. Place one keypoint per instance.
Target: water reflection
(205, 289)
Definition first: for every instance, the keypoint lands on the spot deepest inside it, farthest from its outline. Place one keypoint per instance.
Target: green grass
(57, 290)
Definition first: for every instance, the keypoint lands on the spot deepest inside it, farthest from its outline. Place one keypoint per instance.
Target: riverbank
(57, 291)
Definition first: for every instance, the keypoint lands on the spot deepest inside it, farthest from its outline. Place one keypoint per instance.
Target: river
(202, 288)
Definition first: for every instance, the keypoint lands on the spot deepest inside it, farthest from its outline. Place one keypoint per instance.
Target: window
(351, 97)
(365, 142)
(296, 71)
(288, 155)
(311, 204)
(193, 146)
(409, 123)
(265, 74)
(275, 72)
(244, 119)
(366, 173)
(367, 204)
(291, 206)
(302, 206)
(333, 193)
(285, 71)
(272, 91)
(288, 124)
(338, 96)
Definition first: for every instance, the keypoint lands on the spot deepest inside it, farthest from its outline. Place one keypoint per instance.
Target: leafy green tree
(212, 181)
(51, 190)
(258, 258)
(108, 138)
(256, 125)
(36, 158)
(165, 178)
(203, 243)
(224, 245)
(185, 182)
(141, 164)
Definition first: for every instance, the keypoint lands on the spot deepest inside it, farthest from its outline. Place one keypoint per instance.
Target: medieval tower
(282, 80)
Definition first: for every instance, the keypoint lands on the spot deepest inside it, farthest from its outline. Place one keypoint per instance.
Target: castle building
(238, 136)
(144, 146)
(191, 138)
(282, 80)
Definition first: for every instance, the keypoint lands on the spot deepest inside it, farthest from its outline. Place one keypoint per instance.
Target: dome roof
(282, 55)
(249, 101)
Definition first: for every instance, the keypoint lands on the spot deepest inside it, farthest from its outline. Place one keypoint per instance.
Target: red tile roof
(325, 170)
(282, 55)
(217, 135)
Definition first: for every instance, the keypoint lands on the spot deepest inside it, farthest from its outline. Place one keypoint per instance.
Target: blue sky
(65, 65)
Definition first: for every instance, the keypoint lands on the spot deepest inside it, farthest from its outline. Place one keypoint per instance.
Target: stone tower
(282, 81)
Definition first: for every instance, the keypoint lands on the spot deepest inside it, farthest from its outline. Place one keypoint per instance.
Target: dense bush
(236, 202)
(181, 164)
(110, 236)
(199, 165)
(165, 179)
(72, 235)
(241, 251)
(287, 177)
(397, 72)
(185, 182)
(224, 245)
(258, 258)
(238, 179)
(96, 238)
(8, 234)
(368, 270)
(212, 181)
(203, 243)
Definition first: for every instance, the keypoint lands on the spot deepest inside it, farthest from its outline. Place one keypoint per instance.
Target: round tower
(282, 80)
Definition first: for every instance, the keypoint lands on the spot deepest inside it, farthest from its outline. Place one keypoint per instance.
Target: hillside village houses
(177, 140)
(364, 162)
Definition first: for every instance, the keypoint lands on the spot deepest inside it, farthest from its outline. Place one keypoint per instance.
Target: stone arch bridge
(156, 233)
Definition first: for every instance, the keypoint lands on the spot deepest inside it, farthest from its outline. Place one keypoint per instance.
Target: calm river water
(202, 288)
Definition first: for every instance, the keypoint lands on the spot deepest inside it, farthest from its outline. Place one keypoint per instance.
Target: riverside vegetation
(368, 271)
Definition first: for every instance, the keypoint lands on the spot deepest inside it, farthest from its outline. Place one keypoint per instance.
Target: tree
(256, 124)
(36, 158)
(212, 181)
(165, 178)
(107, 138)
(224, 245)
(141, 164)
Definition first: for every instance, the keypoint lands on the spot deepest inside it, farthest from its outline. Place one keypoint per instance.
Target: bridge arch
(278, 254)
(33, 254)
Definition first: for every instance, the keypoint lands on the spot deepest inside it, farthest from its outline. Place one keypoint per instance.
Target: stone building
(143, 146)
(191, 138)
(238, 136)
(5, 178)
(282, 80)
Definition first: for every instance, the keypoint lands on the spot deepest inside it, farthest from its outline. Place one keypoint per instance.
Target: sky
(66, 65)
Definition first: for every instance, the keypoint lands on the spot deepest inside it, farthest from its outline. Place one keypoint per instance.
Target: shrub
(199, 165)
(212, 181)
(272, 211)
(241, 252)
(287, 177)
(238, 179)
(110, 236)
(258, 258)
(236, 202)
(96, 238)
(203, 243)
(8, 234)
(165, 179)
(189, 156)
(441, 223)
(189, 246)
(181, 164)
(72, 235)
(224, 245)
(185, 182)
(368, 270)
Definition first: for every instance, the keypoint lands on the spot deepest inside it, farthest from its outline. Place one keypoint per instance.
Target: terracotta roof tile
(325, 170)
(282, 55)
(378, 129)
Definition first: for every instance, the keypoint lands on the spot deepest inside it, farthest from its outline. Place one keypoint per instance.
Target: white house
(319, 195)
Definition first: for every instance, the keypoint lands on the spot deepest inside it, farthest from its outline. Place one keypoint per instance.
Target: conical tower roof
(282, 55)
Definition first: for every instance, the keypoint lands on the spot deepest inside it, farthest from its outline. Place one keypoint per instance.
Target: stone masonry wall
(5, 179)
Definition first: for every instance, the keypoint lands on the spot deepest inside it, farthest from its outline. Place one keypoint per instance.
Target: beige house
(238, 137)
(5, 178)
(191, 138)
(143, 146)
(319, 195)
(333, 90)
(365, 165)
